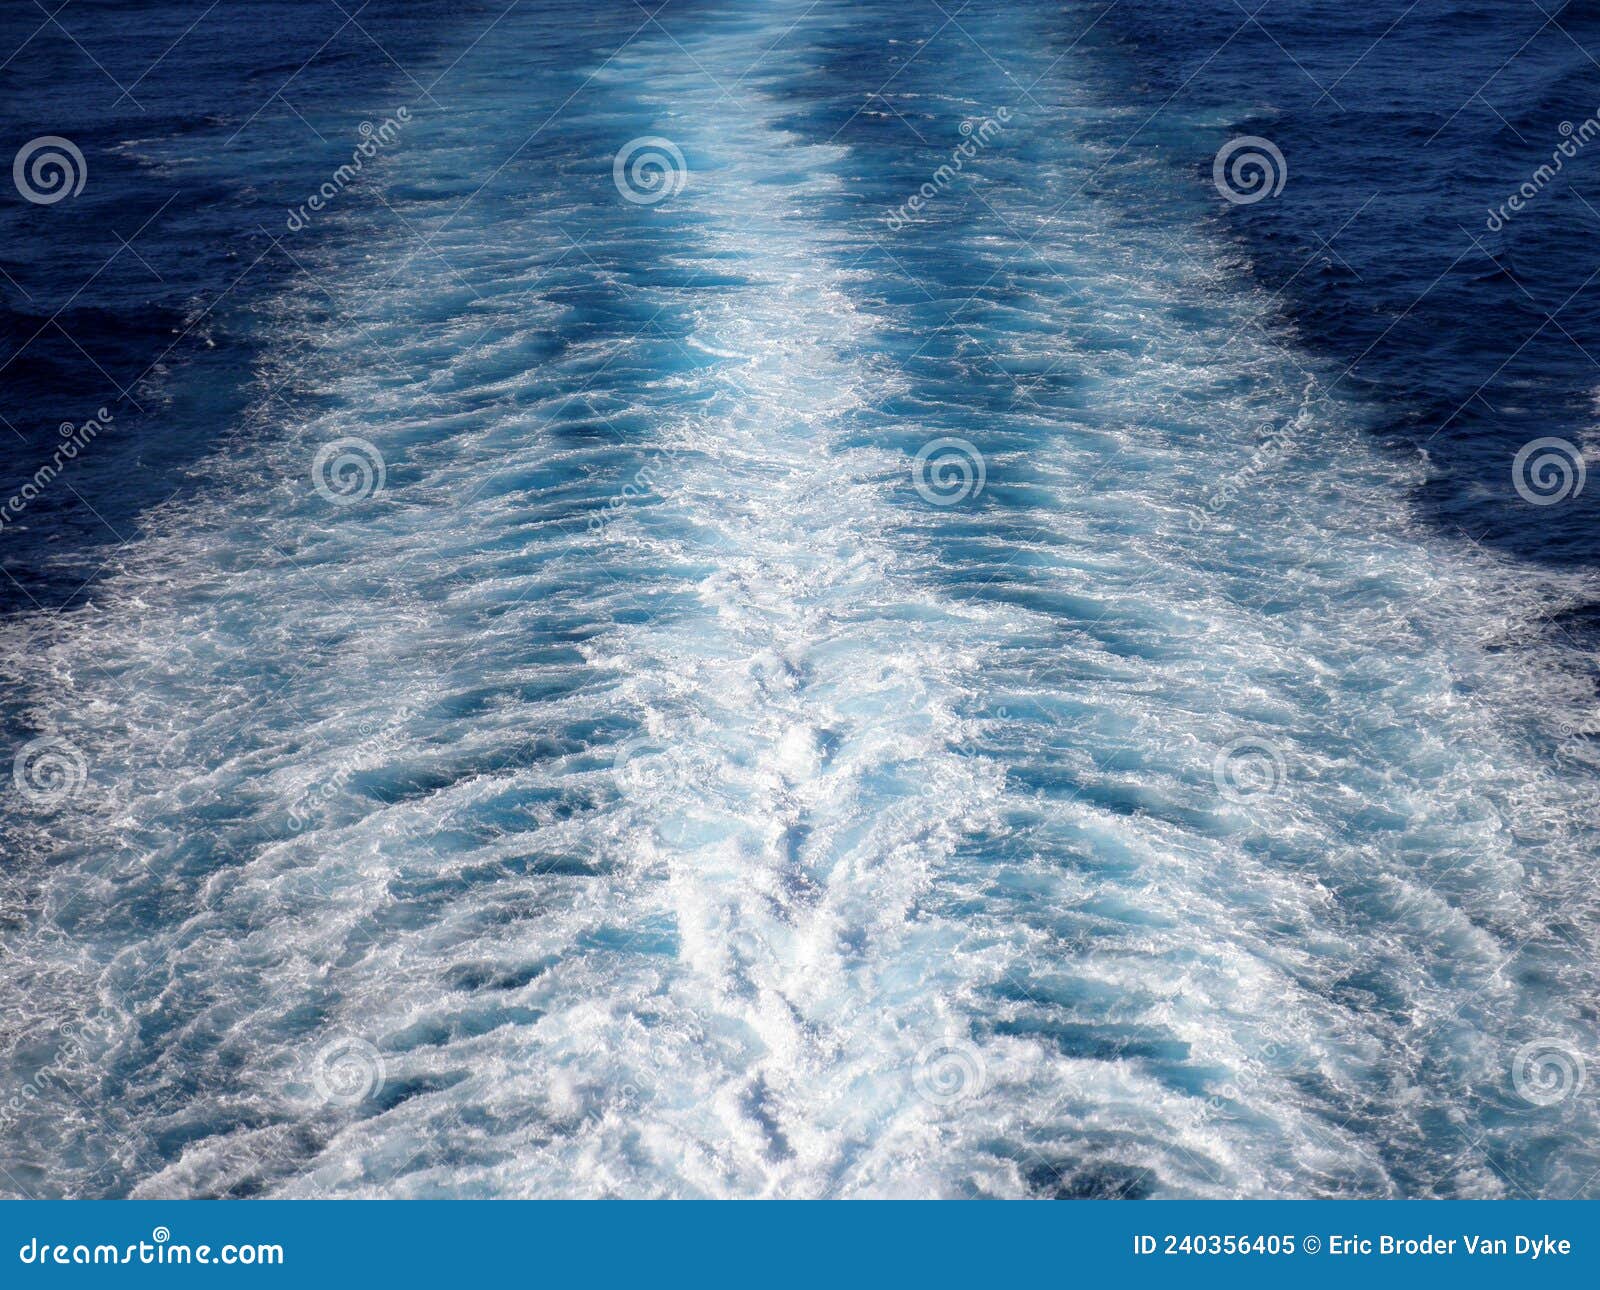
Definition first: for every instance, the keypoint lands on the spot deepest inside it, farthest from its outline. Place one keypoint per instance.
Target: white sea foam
(787, 834)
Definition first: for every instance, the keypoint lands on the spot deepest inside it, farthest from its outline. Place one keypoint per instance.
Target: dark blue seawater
(799, 600)
(1407, 130)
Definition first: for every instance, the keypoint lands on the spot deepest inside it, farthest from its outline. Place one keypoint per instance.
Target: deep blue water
(1409, 127)
(659, 779)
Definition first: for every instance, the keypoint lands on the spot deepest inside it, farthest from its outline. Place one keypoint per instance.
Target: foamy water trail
(653, 780)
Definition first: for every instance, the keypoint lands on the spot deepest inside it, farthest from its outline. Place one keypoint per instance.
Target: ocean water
(698, 678)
